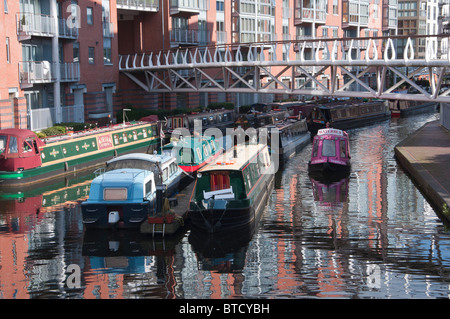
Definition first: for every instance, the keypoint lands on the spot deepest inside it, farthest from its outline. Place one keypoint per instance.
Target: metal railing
(35, 24)
(34, 72)
(144, 5)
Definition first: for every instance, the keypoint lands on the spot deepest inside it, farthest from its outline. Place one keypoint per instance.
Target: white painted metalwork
(256, 68)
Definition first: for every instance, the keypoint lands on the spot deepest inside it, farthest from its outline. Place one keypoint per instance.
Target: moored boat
(125, 194)
(220, 119)
(330, 154)
(292, 135)
(192, 153)
(401, 108)
(26, 159)
(230, 192)
(346, 114)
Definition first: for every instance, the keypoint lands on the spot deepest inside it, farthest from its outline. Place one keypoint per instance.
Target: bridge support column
(445, 115)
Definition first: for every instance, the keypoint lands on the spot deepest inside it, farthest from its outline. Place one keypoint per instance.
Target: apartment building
(62, 56)
(58, 64)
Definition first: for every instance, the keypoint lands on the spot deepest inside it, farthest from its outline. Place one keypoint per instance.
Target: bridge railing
(401, 51)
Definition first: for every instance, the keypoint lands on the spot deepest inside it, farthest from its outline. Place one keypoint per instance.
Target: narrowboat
(26, 159)
(292, 135)
(192, 153)
(401, 108)
(346, 114)
(230, 192)
(330, 154)
(258, 119)
(125, 194)
(220, 119)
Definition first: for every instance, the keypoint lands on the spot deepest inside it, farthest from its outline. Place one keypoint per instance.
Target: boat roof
(17, 132)
(189, 141)
(227, 161)
(153, 158)
(121, 177)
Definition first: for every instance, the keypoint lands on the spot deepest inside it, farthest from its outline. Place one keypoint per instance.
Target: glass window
(6, 6)
(8, 57)
(90, 15)
(13, 145)
(148, 187)
(76, 52)
(2, 143)
(165, 175)
(342, 148)
(107, 50)
(91, 55)
(328, 148)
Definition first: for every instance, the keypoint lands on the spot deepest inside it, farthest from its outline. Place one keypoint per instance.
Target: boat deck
(180, 210)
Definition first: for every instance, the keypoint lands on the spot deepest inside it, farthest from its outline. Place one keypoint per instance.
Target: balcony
(38, 72)
(309, 15)
(30, 24)
(187, 37)
(185, 8)
(65, 31)
(139, 5)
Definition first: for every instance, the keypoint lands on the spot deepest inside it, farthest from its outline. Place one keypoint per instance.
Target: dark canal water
(372, 235)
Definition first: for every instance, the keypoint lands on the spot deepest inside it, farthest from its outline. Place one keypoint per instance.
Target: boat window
(27, 145)
(328, 148)
(205, 150)
(148, 187)
(316, 147)
(213, 145)
(165, 174)
(2, 143)
(12, 145)
(115, 194)
(342, 148)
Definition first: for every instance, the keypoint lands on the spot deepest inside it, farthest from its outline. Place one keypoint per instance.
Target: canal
(372, 235)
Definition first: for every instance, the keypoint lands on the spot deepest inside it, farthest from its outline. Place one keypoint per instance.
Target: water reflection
(371, 235)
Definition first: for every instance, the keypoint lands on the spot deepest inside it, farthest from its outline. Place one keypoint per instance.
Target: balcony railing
(35, 72)
(189, 37)
(35, 24)
(185, 6)
(139, 5)
(310, 15)
(65, 31)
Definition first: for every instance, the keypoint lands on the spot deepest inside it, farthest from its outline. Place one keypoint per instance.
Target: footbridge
(379, 67)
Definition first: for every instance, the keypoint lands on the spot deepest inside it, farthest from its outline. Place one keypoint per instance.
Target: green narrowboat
(26, 159)
(230, 192)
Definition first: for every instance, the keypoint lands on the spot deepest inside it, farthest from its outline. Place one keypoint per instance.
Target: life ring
(225, 163)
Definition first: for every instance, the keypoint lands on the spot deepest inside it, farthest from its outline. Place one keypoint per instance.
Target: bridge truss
(371, 68)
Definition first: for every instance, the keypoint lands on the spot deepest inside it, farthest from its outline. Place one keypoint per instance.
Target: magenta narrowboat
(330, 153)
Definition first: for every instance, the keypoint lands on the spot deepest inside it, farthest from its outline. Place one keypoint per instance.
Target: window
(165, 175)
(13, 145)
(6, 6)
(91, 55)
(76, 52)
(2, 143)
(8, 57)
(328, 148)
(107, 50)
(90, 15)
(148, 187)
